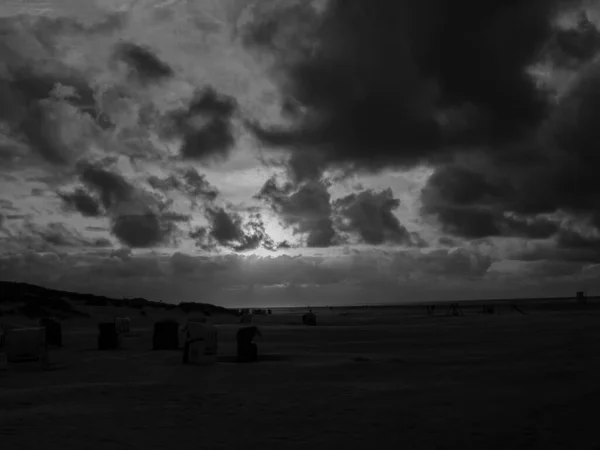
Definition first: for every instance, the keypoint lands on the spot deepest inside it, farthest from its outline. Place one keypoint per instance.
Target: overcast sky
(283, 152)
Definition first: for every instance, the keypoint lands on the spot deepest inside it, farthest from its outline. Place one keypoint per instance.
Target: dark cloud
(205, 126)
(397, 82)
(368, 85)
(111, 187)
(563, 250)
(370, 214)
(80, 200)
(145, 65)
(225, 227)
(137, 219)
(547, 270)
(306, 208)
(555, 174)
(469, 204)
(141, 229)
(228, 229)
(305, 166)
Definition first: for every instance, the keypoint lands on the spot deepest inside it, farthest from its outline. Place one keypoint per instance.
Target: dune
(388, 377)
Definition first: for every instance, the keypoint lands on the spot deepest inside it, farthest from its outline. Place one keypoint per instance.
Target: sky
(296, 152)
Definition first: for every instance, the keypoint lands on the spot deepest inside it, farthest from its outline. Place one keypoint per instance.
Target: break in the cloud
(312, 148)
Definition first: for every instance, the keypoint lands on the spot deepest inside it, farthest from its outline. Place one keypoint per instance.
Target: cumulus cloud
(228, 229)
(469, 204)
(363, 217)
(307, 209)
(145, 66)
(370, 214)
(137, 218)
(204, 126)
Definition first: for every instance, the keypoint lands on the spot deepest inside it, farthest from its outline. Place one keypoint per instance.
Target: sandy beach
(385, 378)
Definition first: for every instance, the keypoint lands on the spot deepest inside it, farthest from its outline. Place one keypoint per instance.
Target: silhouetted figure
(431, 310)
(166, 335)
(53, 331)
(108, 337)
(247, 351)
